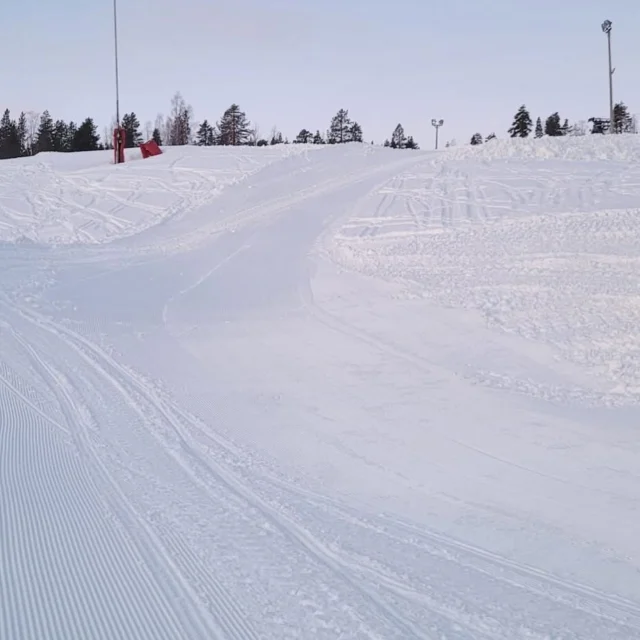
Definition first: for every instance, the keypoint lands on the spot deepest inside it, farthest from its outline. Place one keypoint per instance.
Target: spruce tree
(72, 129)
(60, 136)
(155, 136)
(44, 137)
(521, 127)
(355, 133)
(276, 138)
(539, 131)
(386, 143)
(5, 132)
(340, 129)
(552, 126)
(411, 143)
(234, 127)
(622, 120)
(317, 138)
(398, 139)
(13, 147)
(304, 137)
(10, 146)
(565, 129)
(206, 135)
(131, 126)
(22, 134)
(86, 137)
(476, 139)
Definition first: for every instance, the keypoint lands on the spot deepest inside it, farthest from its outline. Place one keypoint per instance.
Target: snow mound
(622, 148)
(548, 251)
(58, 198)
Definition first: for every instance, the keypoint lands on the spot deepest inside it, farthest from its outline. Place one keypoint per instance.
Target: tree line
(555, 126)
(29, 134)
(32, 133)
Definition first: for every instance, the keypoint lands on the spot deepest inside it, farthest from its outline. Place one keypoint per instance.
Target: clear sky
(294, 63)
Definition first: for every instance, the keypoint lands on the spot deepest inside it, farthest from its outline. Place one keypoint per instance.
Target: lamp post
(606, 28)
(118, 142)
(437, 124)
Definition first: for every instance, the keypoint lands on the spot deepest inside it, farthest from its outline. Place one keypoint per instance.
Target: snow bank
(546, 250)
(57, 198)
(623, 148)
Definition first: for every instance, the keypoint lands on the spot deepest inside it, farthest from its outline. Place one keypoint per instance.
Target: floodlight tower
(437, 124)
(606, 28)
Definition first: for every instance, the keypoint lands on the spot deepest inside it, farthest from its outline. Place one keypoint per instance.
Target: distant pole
(437, 124)
(606, 28)
(115, 40)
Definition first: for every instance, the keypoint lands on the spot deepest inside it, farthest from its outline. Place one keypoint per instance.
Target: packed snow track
(341, 393)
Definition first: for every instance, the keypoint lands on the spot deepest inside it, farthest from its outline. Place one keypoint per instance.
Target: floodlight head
(434, 122)
(440, 123)
(606, 26)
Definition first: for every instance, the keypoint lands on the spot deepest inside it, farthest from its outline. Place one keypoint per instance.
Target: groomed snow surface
(322, 392)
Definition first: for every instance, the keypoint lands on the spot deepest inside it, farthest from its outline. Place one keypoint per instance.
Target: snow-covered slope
(340, 392)
(82, 198)
(541, 237)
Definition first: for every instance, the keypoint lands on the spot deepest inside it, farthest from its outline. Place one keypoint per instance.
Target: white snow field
(334, 392)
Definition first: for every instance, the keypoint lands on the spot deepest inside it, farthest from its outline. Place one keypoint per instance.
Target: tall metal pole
(613, 130)
(606, 27)
(437, 124)
(115, 39)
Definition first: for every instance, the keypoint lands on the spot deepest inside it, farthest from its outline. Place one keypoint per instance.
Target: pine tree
(411, 144)
(552, 125)
(386, 143)
(131, 126)
(565, 129)
(206, 135)
(491, 136)
(339, 131)
(276, 138)
(355, 133)
(44, 137)
(317, 138)
(234, 127)
(539, 131)
(156, 136)
(304, 137)
(622, 120)
(476, 139)
(521, 127)
(86, 137)
(398, 139)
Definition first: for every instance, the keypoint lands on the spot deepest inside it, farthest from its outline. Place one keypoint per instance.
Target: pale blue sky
(294, 63)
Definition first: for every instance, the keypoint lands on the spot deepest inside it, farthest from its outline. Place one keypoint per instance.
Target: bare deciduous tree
(31, 133)
(181, 121)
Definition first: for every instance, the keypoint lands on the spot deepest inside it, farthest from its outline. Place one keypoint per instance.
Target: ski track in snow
(543, 249)
(125, 514)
